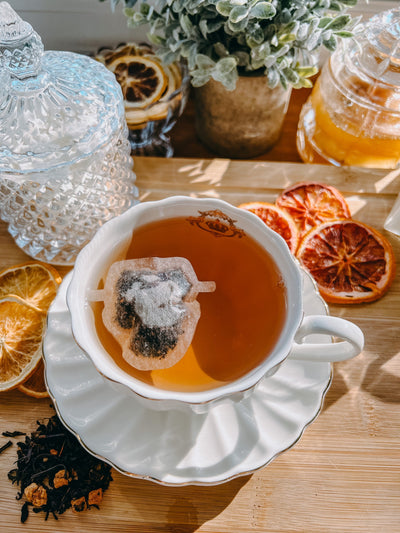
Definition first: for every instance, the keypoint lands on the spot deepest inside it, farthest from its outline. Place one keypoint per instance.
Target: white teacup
(110, 244)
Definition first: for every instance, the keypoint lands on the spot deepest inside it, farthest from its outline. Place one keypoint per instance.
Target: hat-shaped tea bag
(150, 308)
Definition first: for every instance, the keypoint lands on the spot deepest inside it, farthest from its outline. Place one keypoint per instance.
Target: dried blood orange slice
(277, 219)
(350, 261)
(311, 203)
(142, 79)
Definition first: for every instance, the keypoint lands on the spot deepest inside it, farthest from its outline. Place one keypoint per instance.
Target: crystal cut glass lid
(12, 27)
(369, 65)
(55, 107)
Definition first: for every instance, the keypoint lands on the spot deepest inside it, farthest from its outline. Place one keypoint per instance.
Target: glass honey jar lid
(369, 66)
(55, 107)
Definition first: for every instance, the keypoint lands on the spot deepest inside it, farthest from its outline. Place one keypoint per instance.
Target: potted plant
(244, 57)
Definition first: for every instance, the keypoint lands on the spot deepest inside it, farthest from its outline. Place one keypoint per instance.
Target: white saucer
(175, 447)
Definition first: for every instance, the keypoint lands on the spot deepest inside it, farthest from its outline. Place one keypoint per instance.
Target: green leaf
(238, 13)
(224, 8)
(283, 80)
(291, 75)
(203, 28)
(338, 23)
(199, 79)
(313, 40)
(331, 43)
(155, 39)
(305, 83)
(344, 34)
(225, 65)
(128, 11)
(138, 18)
(262, 11)
(186, 24)
(255, 36)
(203, 62)
(323, 23)
(259, 53)
(273, 77)
(335, 6)
(237, 27)
(256, 64)
(243, 58)
(144, 9)
(192, 55)
(282, 51)
(306, 72)
(214, 25)
(220, 50)
(228, 79)
(287, 38)
(269, 61)
(302, 32)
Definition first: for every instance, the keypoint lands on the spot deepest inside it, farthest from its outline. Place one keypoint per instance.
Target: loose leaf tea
(5, 446)
(13, 433)
(55, 473)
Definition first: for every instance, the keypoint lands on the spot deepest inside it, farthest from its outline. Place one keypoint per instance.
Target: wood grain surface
(344, 473)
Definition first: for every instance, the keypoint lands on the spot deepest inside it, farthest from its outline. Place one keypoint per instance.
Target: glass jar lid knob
(21, 48)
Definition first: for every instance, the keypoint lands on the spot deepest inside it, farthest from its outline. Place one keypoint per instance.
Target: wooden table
(344, 473)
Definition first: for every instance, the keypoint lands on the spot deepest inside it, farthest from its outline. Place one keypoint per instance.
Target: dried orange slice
(142, 79)
(139, 112)
(277, 219)
(35, 283)
(35, 385)
(350, 261)
(21, 330)
(311, 203)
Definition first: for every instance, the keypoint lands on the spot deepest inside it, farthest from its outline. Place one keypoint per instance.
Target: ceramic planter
(242, 123)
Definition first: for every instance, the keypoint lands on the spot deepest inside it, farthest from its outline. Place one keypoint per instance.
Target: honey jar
(352, 116)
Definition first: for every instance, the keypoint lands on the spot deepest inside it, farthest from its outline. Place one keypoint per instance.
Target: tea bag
(150, 308)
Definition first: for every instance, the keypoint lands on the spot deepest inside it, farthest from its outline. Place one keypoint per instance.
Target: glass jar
(353, 114)
(65, 165)
(150, 114)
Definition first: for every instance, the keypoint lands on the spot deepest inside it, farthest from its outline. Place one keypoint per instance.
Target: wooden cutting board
(344, 473)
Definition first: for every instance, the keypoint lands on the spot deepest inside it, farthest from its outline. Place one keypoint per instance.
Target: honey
(353, 114)
(346, 137)
(240, 321)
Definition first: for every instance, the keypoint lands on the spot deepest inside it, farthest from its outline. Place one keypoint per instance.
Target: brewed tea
(240, 321)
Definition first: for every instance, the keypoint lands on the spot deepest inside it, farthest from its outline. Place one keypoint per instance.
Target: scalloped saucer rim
(173, 447)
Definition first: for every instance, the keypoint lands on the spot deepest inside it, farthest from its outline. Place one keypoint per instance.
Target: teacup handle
(351, 345)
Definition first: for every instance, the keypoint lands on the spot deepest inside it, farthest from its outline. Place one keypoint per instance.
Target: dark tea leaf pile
(55, 473)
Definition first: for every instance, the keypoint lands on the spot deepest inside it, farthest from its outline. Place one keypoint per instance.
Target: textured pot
(242, 123)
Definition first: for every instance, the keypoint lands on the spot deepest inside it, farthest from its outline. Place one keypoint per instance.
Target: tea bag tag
(150, 308)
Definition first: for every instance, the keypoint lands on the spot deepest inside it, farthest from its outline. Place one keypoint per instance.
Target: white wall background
(77, 25)
(85, 25)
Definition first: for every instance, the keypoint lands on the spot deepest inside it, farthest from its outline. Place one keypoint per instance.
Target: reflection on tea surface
(240, 322)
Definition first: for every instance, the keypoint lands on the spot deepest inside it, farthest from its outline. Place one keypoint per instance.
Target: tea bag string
(98, 295)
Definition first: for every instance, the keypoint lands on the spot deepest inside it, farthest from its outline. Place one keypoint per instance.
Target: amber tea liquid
(240, 322)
